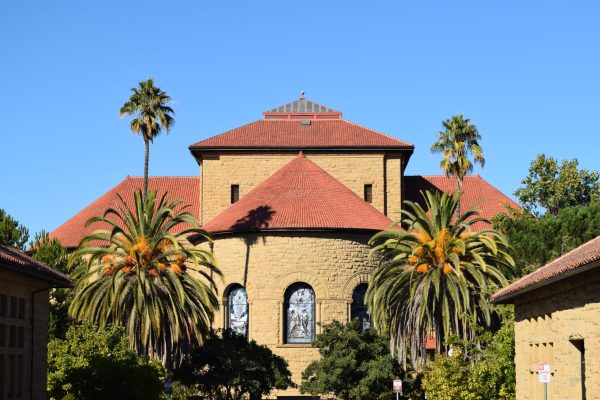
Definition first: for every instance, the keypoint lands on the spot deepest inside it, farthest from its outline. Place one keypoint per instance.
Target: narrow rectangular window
(235, 193)
(21, 337)
(2, 375)
(369, 193)
(580, 345)
(3, 305)
(11, 376)
(12, 336)
(21, 308)
(2, 337)
(13, 307)
(20, 370)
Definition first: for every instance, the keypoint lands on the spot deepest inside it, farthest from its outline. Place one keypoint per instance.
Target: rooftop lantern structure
(302, 109)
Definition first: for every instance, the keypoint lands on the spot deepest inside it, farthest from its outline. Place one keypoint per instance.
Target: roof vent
(305, 122)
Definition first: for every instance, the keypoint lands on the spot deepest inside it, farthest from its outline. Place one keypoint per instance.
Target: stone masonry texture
(219, 172)
(551, 324)
(333, 264)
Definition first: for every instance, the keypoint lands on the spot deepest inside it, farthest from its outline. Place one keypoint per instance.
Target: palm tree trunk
(459, 185)
(146, 157)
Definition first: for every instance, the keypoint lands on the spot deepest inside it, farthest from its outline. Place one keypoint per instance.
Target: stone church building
(291, 201)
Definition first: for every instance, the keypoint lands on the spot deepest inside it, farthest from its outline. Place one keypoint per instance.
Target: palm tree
(434, 276)
(458, 140)
(153, 115)
(143, 274)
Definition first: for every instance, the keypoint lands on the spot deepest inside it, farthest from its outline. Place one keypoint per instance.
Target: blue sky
(525, 72)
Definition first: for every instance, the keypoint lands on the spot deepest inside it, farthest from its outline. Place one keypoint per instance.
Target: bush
(474, 374)
(228, 366)
(355, 365)
(94, 363)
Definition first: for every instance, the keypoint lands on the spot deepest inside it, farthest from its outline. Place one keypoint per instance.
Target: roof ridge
(380, 133)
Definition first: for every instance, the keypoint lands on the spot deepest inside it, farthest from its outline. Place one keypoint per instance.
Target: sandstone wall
(219, 172)
(550, 323)
(333, 264)
(16, 336)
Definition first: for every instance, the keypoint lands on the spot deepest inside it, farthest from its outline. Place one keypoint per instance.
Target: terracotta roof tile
(184, 188)
(300, 195)
(15, 260)
(567, 264)
(291, 134)
(477, 193)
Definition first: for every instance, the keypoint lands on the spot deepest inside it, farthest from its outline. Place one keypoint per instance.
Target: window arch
(358, 309)
(299, 314)
(237, 310)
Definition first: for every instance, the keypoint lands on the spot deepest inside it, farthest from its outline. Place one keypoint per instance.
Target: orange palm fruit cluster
(447, 268)
(412, 259)
(420, 251)
(176, 268)
(422, 268)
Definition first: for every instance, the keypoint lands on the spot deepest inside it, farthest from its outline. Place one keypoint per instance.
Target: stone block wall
(247, 170)
(551, 324)
(333, 264)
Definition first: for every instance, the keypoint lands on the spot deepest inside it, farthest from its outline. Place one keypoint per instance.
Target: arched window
(237, 310)
(300, 314)
(358, 309)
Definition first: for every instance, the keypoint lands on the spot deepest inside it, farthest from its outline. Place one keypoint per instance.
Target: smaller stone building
(557, 321)
(25, 285)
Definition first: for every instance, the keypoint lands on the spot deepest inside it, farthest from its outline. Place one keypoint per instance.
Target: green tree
(229, 367)
(537, 241)
(144, 274)
(12, 233)
(52, 253)
(434, 276)
(149, 104)
(474, 374)
(459, 140)
(98, 364)
(553, 187)
(355, 365)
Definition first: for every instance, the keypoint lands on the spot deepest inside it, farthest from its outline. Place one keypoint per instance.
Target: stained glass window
(300, 314)
(358, 309)
(238, 310)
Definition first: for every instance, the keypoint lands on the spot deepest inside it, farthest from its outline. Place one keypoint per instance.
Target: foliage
(537, 241)
(52, 253)
(435, 275)
(459, 140)
(228, 366)
(474, 374)
(355, 365)
(94, 363)
(553, 187)
(12, 233)
(146, 276)
(149, 104)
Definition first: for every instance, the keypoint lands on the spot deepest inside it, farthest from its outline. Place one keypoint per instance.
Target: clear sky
(525, 72)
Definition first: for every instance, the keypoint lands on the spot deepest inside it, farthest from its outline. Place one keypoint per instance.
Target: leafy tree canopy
(355, 365)
(474, 374)
(229, 367)
(537, 241)
(98, 364)
(551, 186)
(12, 233)
(52, 253)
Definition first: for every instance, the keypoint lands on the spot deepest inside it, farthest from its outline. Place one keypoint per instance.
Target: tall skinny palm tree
(456, 143)
(433, 276)
(150, 104)
(143, 274)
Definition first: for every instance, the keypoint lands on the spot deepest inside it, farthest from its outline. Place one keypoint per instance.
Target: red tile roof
(477, 193)
(13, 259)
(291, 134)
(299, 196)
(184, 188)
(575, 261)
